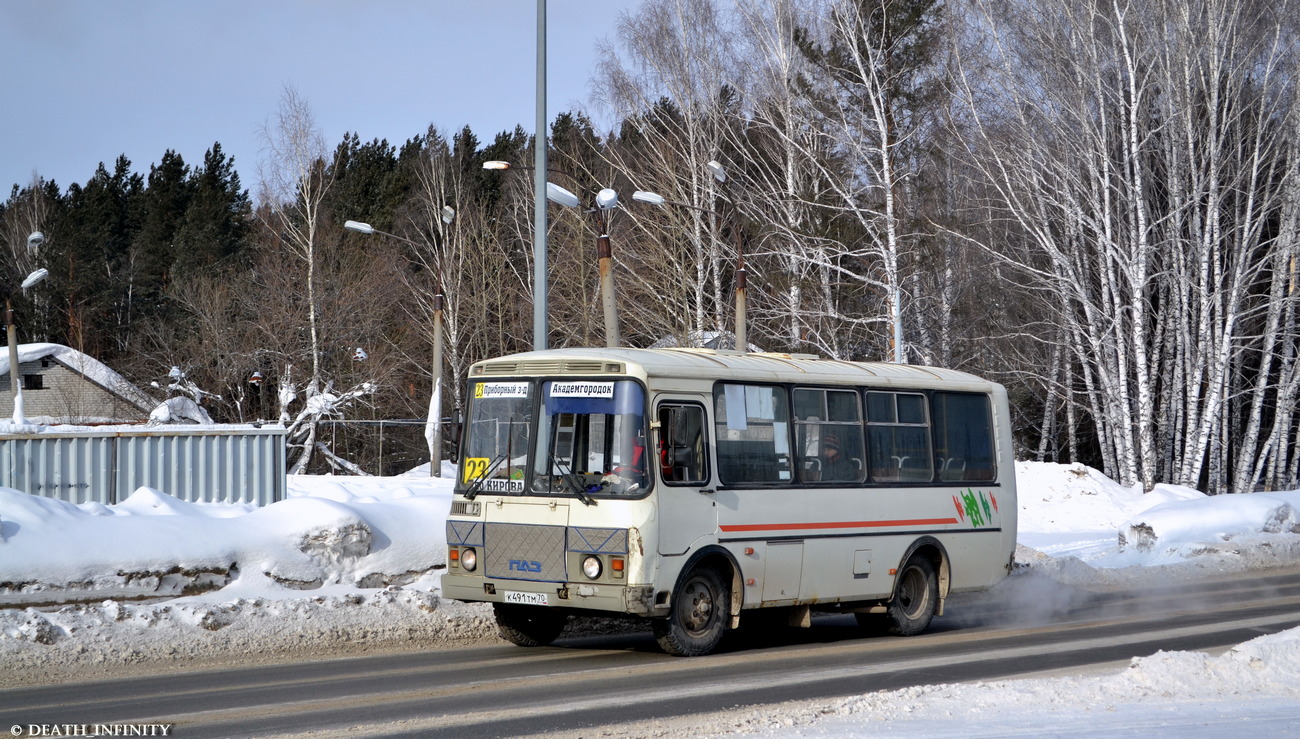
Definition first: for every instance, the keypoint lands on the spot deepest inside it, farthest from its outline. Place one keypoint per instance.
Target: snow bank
(153, 544)
(1158, 694)
(80, 642)
(1078, 527)
(1221, 518)
(1061, 498)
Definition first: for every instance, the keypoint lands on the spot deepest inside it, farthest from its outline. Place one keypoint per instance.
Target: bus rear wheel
(700, 610)
(916, 597)
(528, 626)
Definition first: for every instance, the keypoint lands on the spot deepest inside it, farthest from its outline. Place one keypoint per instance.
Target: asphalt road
(503, 691)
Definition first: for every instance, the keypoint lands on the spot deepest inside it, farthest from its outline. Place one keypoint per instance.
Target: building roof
(88, 367)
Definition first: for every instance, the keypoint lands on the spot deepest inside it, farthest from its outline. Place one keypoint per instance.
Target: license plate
(528, 599)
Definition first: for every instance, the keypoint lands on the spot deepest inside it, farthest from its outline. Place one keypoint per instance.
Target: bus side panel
(845, 569)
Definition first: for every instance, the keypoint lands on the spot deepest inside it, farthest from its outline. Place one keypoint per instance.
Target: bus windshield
(586, 441)
(590, 439)
(496, 438)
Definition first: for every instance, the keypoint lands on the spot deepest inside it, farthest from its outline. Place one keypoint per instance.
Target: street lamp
(554, 192)
(606, 199)
(557, 194)
(11, 325)
(433, 427)
(540, 151)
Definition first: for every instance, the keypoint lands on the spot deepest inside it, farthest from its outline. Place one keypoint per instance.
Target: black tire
(701, 610)
(916, 598)
(528, 626)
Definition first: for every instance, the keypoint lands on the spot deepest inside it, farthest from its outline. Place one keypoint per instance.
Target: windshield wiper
(575, 482)
(477, 485)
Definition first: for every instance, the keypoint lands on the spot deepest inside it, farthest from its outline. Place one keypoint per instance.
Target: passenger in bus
(836, 466)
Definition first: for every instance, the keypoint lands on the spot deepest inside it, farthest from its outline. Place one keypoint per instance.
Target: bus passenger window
(683, 453)
(963, 433)
(752, 433)
(898, 434)
(828, 430)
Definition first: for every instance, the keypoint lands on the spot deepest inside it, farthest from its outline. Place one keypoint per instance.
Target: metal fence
(200, 465)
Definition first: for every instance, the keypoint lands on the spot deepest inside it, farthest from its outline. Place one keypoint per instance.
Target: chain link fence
(381, 447)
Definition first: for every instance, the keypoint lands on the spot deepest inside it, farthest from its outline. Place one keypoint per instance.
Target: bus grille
(465, 533)
(525, 552)
(465, 507)
(552, 367)
(598, 541)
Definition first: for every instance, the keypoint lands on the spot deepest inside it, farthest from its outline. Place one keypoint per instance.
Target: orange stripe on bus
(836, 524)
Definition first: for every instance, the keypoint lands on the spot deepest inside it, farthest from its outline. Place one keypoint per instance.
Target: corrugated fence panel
(73, 469)
(206, 466)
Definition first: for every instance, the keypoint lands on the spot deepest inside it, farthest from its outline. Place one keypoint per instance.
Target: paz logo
(979, 506)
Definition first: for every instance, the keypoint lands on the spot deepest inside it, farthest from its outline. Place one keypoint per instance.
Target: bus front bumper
(632, 599)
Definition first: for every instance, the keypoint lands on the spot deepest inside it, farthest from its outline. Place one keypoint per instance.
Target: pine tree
(161, 209)
(88, 261)
(368, 183)
(216, 227)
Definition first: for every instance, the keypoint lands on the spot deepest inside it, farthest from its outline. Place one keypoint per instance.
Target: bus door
(685, 513)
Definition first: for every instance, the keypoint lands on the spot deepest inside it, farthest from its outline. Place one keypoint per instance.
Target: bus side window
(898, 434)
(828, 431)
(752, 433)
(963, 425)
(683, 455)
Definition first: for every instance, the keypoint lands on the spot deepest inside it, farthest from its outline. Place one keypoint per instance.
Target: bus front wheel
(528, 626)
(916, 597)
(699, 614)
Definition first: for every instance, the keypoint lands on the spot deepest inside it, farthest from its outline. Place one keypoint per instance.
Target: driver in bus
(836, 466)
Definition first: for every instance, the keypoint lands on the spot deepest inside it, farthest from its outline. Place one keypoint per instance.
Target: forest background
(1096, 203)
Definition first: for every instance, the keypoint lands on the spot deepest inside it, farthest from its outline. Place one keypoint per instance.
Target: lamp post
(742, 342)
(11, 325)
(606, 199)
(540, 190)
(653, 198)
(433, 427)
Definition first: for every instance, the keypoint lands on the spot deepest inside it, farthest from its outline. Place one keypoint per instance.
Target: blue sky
(88, 80)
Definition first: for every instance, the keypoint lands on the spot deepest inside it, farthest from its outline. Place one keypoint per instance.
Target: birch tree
(874, 62)
(1138, 152)
(785, 159)
(461, 264)
(295, 180)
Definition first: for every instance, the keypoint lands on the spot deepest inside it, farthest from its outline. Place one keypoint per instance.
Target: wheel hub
(701, 607)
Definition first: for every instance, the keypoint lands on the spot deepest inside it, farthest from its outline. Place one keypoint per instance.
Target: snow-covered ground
(348, 564)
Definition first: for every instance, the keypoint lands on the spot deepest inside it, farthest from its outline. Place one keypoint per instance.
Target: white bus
(692, 487)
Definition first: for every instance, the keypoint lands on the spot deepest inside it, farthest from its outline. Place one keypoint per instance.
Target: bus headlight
(468, 560)
(591, 567)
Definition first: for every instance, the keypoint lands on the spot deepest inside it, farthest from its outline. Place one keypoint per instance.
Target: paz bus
(697, 488)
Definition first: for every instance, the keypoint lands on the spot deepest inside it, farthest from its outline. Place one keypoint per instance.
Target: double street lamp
(433, 427)
(606, 200)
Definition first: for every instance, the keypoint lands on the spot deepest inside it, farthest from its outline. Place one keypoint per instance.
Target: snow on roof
(85, 365)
